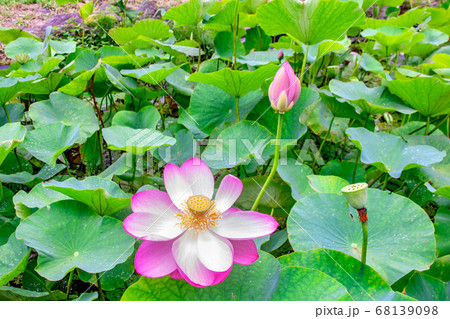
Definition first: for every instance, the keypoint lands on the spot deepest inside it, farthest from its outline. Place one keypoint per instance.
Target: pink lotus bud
(285, 89)
(280, 55)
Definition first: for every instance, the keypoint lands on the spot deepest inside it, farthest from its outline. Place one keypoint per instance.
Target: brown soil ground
(32, 17)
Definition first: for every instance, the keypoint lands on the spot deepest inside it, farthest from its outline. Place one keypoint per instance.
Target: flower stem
(376, 178)
(99, 286)
(386, 182)
(42, 283)
(7, 113)
(358, 154)
(199, 48)
(235, 33)
(324, 140)
(415, 188)
(67, 164)
(437, 125)
(133, 168)
(275, 163)
(357, 64)
(304, 64)
(364, 243)
(69, 283)
(237, 108)
(363, 219)
(82, 35)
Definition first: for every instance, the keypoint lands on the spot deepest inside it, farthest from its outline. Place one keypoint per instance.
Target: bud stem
(275, 163)
(304, 64)
(237, 108)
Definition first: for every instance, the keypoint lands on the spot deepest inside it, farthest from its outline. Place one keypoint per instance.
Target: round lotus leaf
(401, 235)
(68, 234)
(250, 282)
(361, 283)
(103, 196)
(306, 284)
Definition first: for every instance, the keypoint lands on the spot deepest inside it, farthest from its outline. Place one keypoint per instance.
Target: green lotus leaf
(66, 109)
(147, 117)
(412, 126)
(8, 293)
(318, 119)
(276, 200)
(276, 240)
(79, 84)
(14, 259)
(87, 296)
(440, 269)
(153, 29)
(153, 74)
(123, 35)
(309, 22)
(15, 112)
(389, 36)
(11, 135)
(68, 234)
(438, 173)
(305, 284)
(338, 107)
(433, 39)
(8, 35)
(38, 197)
(390, 153)
(406, 20)
(211, 107)
(236, 83)
(426, 288)
(179, 50)
(257, 40)
(442, 229)
(119, 167)
(184, 148)
(46, 85)
(257, 58)
(252, 282)
(224, 44)
(318, 50)
(292, 129)
(63, 47)
(428, 95)
(8, 89)
(190, 13)
(236, 144)
(46, 172)
(136, 141)
(178, 80)
(103, 196)
(401, 235)
(224, 17)
(296, 175)
(47, 142)
(327, 184)
(344, 170)
(113, 278)
(362, 285)
(29, 46)
(86, 10)
(33, 67)
(372, 100)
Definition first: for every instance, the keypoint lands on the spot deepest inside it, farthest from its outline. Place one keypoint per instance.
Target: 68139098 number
(407, 310)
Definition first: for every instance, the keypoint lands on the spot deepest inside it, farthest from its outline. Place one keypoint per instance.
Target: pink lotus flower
(285, 89)
(187, 234)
